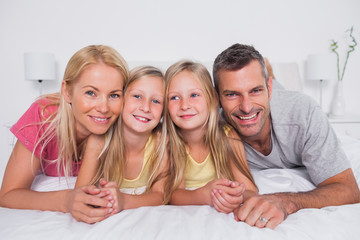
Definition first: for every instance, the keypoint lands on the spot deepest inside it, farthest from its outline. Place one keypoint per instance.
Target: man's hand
(262, 211)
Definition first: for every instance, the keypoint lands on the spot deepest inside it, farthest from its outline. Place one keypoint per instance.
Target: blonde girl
(133, 165)
(53, 132)
(208, 161)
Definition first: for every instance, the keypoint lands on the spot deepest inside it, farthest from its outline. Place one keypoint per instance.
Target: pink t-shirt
(29, 128)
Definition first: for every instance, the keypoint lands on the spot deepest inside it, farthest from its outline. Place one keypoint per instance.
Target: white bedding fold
(192, 222)
(185, 222)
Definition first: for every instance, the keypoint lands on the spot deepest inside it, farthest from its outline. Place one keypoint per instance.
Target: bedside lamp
(320, 67)
(39, 67)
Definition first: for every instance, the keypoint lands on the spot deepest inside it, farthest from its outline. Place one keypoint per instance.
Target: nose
(102, 105)
(184, 104)
(245, 105)
(145, 106)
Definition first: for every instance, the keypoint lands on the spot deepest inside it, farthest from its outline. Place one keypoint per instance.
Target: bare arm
(224, 202)
(337, 190)
(16, 193)
(203, 195)
(239, 150)
(182, 196)
(90, 161)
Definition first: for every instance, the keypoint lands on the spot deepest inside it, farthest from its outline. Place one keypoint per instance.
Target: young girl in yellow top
(207, 157)
(135, 159)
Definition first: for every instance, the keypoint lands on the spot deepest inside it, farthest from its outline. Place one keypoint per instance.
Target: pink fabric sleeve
(27, 128)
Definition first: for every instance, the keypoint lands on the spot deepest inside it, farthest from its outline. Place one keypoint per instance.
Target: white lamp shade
(39, 66)
(321, 67)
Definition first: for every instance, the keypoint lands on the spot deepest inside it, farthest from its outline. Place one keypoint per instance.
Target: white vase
(338, 105)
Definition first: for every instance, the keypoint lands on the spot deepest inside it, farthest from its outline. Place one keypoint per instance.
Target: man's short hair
(235, 58)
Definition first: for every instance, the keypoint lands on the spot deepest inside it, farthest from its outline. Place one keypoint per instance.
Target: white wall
(164, 30)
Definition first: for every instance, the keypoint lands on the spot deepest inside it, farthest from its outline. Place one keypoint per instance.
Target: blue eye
(156, 101)
(230, 94)
(137, 96)
(256, 90)
(174, 98)
(114, 95)
(194, 95)
(90, 93)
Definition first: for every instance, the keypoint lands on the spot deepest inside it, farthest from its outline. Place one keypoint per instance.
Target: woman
(52, 135)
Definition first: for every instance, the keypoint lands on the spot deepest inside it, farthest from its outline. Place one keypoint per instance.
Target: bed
(192, 222)
(196, 222)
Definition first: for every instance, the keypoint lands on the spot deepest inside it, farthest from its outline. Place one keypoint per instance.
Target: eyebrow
(229, 91)
(237, 92)
(96, 89)
(190, 90)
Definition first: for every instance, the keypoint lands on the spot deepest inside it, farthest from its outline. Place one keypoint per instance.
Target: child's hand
(112, 193)
(228, 197)
(207, 190)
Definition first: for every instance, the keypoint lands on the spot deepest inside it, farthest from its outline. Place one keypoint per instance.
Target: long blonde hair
(113, 161)
(215, 137)
(62, 122)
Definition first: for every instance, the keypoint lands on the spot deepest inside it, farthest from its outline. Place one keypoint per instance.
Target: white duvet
(193, 222)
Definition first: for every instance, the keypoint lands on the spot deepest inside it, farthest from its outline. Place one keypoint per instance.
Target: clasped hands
(92, 204)
(256, 210)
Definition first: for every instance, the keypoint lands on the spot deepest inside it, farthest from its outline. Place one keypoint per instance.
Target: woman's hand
(89, 204)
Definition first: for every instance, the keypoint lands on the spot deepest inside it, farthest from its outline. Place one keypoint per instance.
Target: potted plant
(334, 46)
(338, 108)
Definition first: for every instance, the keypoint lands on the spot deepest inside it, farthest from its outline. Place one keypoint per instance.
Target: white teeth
(142, 119)
(249, 117)
(99, 119)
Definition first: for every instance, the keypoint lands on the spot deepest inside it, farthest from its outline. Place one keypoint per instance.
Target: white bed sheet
(192, 222)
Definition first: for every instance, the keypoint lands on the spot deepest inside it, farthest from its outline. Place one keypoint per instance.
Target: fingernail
(110, 210)
(109, 205)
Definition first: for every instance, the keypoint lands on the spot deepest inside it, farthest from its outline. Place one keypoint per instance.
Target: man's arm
(270, 210)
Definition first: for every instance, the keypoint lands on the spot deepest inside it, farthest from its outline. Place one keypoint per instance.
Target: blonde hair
(113, 161)
(220, 148)
(62, 122)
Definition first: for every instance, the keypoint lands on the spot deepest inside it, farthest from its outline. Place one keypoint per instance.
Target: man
(289, 131)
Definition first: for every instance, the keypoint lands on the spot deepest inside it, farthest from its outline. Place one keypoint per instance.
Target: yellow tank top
(142, 179)
(199, 174)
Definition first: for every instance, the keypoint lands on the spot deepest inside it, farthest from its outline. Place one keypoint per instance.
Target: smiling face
(187, 104)
(143, 105)
(245, 100)
(95, 98)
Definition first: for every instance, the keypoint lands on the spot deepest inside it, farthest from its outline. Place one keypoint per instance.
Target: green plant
(352, 45)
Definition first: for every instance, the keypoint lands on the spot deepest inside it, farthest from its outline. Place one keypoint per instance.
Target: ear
(217, 99)
(65, 92)
(270, 85)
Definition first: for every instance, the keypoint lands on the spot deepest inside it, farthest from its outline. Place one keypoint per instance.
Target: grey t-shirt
(301, 136)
